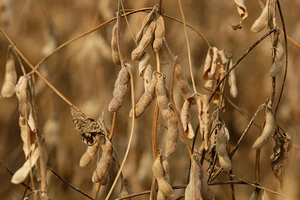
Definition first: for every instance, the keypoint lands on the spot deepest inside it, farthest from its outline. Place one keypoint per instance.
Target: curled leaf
(279, 158)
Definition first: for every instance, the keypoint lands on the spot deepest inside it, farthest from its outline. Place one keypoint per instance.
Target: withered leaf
(87, 127)
(279, 157)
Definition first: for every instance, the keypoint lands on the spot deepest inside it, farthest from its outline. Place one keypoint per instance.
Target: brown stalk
(286, 57)
(154, 148)
(188, 46)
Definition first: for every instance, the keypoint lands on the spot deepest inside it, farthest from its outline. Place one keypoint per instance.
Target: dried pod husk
(10, 78)
(143, 63)
(221, 144)
(138, 52)
(172, 135)
(182, 83)
(198, 187)
(121, 89)
(268, 130)
(26, 136)
(104, 162)
(116, 33)
(103, 181)
(21, 93)
(203, 118)
(193, 189)
(207, 65)
(159, 33)
(21, 174)
(147, 76)
(162, 94)
(277, 63)
(214, 63)
(271, 14)
(31, 121)
(262, 21)
(91, 152)
(158, 172)
(232, 81)
(145, 99)
(184, 115)
(147, 19)
(124, 190)
(241, 8)
(166, 169)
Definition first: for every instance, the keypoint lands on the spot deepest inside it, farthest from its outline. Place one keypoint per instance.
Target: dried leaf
(87, 127)
(279, 158)
(23, 172)
(241, 8)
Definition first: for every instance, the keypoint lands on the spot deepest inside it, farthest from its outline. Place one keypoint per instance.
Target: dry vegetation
(177, 100)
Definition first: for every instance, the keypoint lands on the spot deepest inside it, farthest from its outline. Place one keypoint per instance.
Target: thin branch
(188, 46)
(71, 186)
(286, 57)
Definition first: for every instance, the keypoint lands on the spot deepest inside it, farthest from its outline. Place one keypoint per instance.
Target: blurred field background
(84, 72)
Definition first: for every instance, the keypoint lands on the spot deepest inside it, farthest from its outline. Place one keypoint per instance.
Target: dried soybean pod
(143, 63)
(193, 189)
(222, 140)
(145, 99)
(88, 157)
(277, 63)
(114, 43)
(147, 76)
(21, 93)
(203, 117)
(182, 83)
(121, 88)
(207, 77)
(232, 81)
(268, 130)
(159, 33)
(158, 172)
(104, 162)
(184, 115)
(10, 78)
(262, 21)
(138, 52)
(147, 19)
(214, 60)
(161, 91)
(173, 134)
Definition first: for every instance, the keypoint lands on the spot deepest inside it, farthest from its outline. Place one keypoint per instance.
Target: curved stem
(188, 46)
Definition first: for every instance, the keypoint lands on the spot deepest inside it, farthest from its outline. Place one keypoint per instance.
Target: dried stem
(71, 186)
(286, 57)
(188, 46)
(154, 147)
